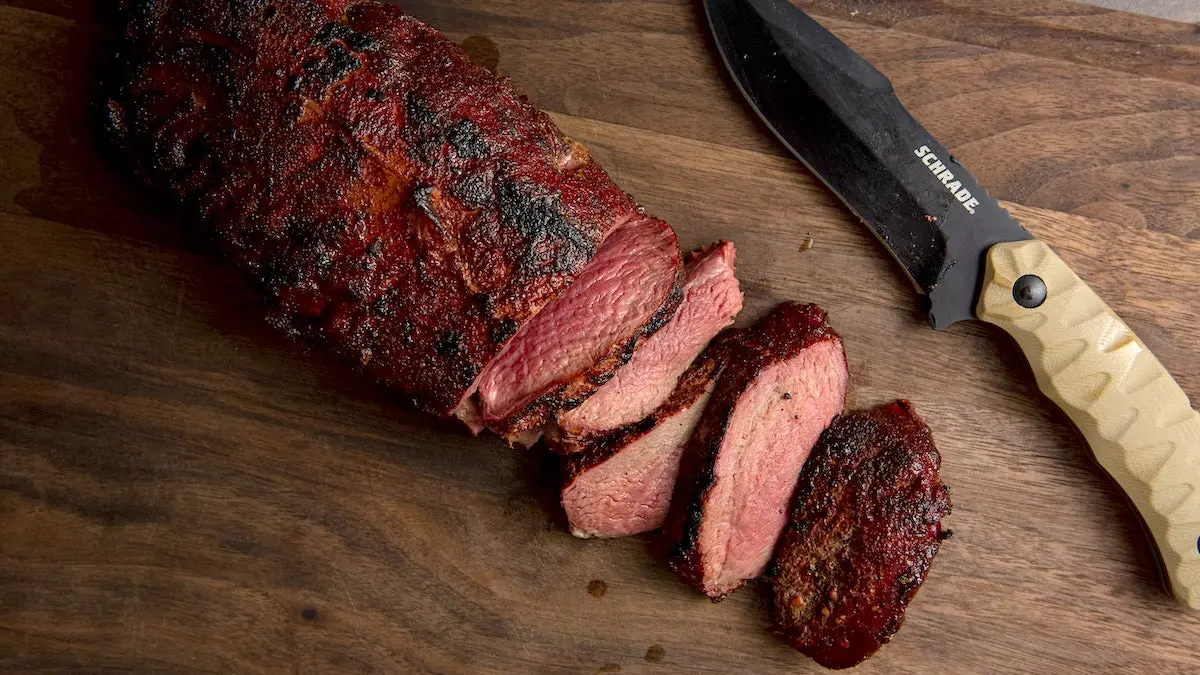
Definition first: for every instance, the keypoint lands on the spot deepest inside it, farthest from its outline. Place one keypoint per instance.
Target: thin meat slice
(573, 346)
(711, 301)
(621, 484)
(865, 527)
(786, 380)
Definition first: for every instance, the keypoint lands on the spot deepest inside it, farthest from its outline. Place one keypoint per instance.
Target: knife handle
(1139, 423)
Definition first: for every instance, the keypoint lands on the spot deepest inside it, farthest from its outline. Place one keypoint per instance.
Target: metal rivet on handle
(1029, 291)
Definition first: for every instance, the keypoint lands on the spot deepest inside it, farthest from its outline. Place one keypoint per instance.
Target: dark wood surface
(181, 489)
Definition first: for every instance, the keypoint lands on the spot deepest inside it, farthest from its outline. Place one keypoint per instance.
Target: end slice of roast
(785, 382)
(627, 292)
(711, 301)
(621, 484)
(866, 524)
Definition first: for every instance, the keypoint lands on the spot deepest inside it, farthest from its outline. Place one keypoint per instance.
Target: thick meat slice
(785, 382)
(393, 199)
(711, 301)
(567, 351)
(866, 524)
(621, 484)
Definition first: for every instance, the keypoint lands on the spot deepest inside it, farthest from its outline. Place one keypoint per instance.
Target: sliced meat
(865, 526)
(785, 382)
(621, 484)
(393, 199)
(566, 352)
(711, 301)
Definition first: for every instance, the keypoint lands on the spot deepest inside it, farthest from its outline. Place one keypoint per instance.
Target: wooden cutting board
(182, 489)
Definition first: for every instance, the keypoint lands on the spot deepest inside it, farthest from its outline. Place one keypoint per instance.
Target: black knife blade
(840, 117)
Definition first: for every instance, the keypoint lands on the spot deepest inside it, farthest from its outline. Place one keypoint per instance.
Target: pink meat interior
(627, 281)
(771, 432)
(711, 302)
(631, 492)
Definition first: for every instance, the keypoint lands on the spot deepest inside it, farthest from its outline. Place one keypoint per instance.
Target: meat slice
(711, 301)
(865, 526)
(621, 484)
(393, 199)
(785, 382)
(628, 291)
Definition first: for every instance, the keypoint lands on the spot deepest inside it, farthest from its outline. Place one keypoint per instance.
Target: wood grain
(182, 490)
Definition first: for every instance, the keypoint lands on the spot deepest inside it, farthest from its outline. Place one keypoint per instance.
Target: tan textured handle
(1138, 422)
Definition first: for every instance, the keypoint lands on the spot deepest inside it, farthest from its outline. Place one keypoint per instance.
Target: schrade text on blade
(943, 173)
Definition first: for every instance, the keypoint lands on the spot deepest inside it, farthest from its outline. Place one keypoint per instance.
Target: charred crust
(277, 274)
(475, 189)
(449, 343)
(696, 479)
(487, 303)
(868, 562)
(336, 30)
(322, 263)
(218, 63)
(465, 139)
(382, 307)
(276, 195)
(362, 43)
(418, 116)
(503, 331)
(581, 455)
(666, 311)
(324, 72)
(540, 220)
(246, 9)
(406, 332)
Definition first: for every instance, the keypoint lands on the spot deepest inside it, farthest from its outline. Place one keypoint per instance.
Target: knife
(968, 258)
